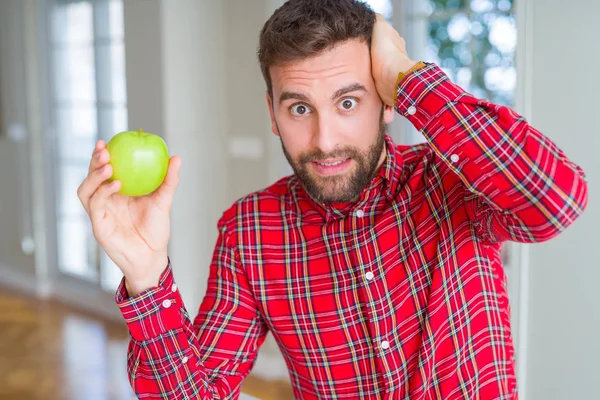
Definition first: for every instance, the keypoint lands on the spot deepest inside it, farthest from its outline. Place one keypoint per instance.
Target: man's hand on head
(388, 59)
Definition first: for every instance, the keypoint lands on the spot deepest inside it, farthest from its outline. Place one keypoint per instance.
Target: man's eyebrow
(340, 92)
(292, 95)
(347, 89)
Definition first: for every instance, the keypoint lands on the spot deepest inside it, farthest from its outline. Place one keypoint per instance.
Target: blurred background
(74, 71)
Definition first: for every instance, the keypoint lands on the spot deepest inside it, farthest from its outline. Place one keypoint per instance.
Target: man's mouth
(331, 166)
(331, 163)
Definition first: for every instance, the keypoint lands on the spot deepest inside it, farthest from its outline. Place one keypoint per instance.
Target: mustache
(317, 155)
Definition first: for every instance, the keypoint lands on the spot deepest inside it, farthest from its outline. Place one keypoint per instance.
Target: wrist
(134, 288)
(139, 284)
(402, 66)
(398, 69)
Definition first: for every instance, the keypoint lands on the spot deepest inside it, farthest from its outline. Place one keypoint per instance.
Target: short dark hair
(301, 29)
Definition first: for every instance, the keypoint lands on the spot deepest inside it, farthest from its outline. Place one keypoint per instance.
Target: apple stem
(140, 132)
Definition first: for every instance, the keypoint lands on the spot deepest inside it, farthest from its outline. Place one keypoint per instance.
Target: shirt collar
(383, 187)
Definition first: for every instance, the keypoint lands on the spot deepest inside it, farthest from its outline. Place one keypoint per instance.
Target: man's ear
(271, 113)
(388, 114)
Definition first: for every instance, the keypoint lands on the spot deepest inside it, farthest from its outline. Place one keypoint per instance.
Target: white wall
(563, 347)
(22, 163)
(14, 199)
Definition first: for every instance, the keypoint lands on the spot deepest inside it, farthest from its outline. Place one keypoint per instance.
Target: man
(375, 266)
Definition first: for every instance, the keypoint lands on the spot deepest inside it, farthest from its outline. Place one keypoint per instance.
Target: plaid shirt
(398, 295)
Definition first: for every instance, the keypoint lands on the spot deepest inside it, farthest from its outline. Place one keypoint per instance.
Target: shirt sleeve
(171, 357)
(518, 184)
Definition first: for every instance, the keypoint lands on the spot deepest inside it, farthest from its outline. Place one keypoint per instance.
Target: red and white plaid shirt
(399, 295)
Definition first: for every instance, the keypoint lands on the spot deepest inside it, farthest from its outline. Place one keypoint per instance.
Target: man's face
(330, 120)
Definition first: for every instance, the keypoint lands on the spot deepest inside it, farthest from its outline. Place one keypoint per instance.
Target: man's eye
(348, 104)
(299, 109)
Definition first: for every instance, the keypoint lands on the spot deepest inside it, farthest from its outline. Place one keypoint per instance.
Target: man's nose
(325, 137)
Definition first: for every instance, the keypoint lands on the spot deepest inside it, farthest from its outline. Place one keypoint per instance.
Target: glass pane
(101, 21)
(473, 41)
(114, 120)
(481, 6)
(72, 23)
(105, 91)
(77, 248)
(112, 70)
(476, 49)
(75, 151)
(76, 122)
(83, 121)
(116, 19)
(74, 75)
(120, 120)
(383, 7)
(418, 8)
(117, 58)
(504, 5)
(70, 177)
(449, 5)
(111, 274)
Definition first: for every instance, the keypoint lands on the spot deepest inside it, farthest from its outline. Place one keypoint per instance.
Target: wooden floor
(51, 351)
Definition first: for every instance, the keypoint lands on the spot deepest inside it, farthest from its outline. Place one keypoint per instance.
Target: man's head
(315, 58)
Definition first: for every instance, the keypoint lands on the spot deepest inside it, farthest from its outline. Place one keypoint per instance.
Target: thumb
(167, 189)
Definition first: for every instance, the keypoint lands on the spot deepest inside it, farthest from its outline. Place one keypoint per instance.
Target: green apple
(139, 160)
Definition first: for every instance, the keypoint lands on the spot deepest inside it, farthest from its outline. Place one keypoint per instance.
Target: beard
(344, 187)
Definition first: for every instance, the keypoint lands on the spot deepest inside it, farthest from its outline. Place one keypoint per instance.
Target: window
(88, 102)
(383, 7)
(473, 41)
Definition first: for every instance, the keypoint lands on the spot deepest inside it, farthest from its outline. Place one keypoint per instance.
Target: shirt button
(369, 275)
(360, 213)
(385, 345)
(174, 288)
(184, 360)
(166, 303)
(454, 158)
(412, 110)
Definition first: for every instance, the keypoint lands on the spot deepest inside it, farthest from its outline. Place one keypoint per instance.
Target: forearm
(534, 189)
(169, 357)
(163, 351)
